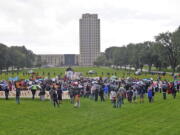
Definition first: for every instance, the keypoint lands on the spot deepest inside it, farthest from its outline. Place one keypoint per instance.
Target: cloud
(52, 26)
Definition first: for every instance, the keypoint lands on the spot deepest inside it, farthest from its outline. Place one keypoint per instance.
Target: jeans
(96, 97)
(55, 102)
(6, 95)
(102, 98)
(106, 95)
(174, 95)
(119, 103)
(150, 99)
(164, 96)
(33, 93)
(17, 99)
(114, 103)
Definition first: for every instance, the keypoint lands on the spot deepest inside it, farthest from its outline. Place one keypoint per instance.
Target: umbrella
(3, 85)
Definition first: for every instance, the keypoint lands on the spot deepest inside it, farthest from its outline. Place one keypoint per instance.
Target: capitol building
(89, 42)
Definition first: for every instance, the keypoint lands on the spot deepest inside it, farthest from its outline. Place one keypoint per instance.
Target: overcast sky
(52, 26)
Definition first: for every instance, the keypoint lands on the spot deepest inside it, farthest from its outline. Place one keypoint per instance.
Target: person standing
(51, 94)
(119, 98)
(113, 97)
(96, 92)
(106, 91)
(42, 92)
(18, 92)
(123, 91)
(150, 94)
(55, 98)
(93, 89)
(101, 93)
(6, 90)
(71, 94)
(77, 97)
(88, 90)
(59, 94)
(141, 93)
(134, 95)
(33, 90)
(130, 94)
(173, 90)
(164, 90)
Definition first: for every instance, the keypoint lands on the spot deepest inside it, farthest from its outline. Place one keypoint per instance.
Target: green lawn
(60, 71)
(41, 118)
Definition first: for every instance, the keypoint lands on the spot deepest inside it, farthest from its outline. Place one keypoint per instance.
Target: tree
(120, 57)
(15, 56)
(171, 43)
(135, 53)
(39, 62)
(109, 52)
(149, 55)
(100, 61)
(3, 54)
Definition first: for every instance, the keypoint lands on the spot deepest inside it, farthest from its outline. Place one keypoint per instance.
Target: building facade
(60, 59)
(89, 36)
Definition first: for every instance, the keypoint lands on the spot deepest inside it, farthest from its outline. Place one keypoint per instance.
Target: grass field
(41, 118)
(101, 71)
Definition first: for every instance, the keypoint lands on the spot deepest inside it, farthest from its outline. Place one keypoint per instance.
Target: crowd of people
(117, 90)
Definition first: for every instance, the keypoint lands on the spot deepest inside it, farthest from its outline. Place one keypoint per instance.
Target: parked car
(138, 72)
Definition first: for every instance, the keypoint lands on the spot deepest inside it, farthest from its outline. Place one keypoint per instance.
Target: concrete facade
(89, 36)
(60, 59)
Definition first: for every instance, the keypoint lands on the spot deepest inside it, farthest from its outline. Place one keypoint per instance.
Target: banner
(28, 94)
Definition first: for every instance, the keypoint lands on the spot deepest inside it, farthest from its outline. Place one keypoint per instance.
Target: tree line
(15, 57)
(161, 53)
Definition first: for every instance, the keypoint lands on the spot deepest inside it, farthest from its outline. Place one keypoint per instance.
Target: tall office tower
(89, 32)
